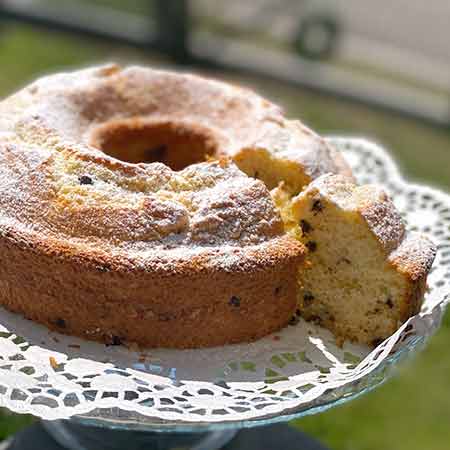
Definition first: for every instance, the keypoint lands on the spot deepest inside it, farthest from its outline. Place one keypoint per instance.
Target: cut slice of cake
(366, 274)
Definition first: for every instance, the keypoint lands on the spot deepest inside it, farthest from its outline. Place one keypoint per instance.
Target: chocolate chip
(115, 340)
(390, 303)
(84, 179)
(315, 319)
(277, 290)
(311, 246)
(308, 297)
(256, 175)
(376, 342)
(60, 323)
(317, 206)
(235, 301)
(293, 320)
(305, 226)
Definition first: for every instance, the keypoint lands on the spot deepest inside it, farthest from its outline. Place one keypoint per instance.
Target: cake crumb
(53, 362)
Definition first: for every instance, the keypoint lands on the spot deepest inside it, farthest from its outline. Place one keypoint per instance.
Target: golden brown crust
(414, 258)
(106, 299)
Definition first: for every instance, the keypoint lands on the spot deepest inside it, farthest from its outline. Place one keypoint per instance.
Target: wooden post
(173, 25)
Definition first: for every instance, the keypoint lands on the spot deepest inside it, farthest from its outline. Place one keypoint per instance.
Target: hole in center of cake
(177, 145)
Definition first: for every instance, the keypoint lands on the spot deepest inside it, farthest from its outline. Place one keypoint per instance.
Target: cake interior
(260, 163)
(348, 284)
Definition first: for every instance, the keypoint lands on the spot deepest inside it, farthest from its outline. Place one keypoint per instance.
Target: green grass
(11, 423)
(133, 6)
(410, 412)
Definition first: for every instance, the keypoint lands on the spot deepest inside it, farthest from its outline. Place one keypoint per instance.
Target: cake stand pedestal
(65, 435)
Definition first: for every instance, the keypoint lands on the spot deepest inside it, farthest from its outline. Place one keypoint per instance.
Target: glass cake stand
(115, 429)
(91, 396)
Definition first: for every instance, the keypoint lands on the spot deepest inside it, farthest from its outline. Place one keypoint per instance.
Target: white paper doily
(293, 372)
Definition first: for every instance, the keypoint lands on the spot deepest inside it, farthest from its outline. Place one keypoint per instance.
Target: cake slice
(366, 274)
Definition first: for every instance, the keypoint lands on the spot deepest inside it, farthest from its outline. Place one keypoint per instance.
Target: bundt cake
(366, 274)
(135, 207)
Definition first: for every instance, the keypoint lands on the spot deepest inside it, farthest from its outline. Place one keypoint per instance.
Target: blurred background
(349, 67)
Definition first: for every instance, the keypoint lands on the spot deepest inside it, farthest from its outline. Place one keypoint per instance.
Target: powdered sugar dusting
(55, 184)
